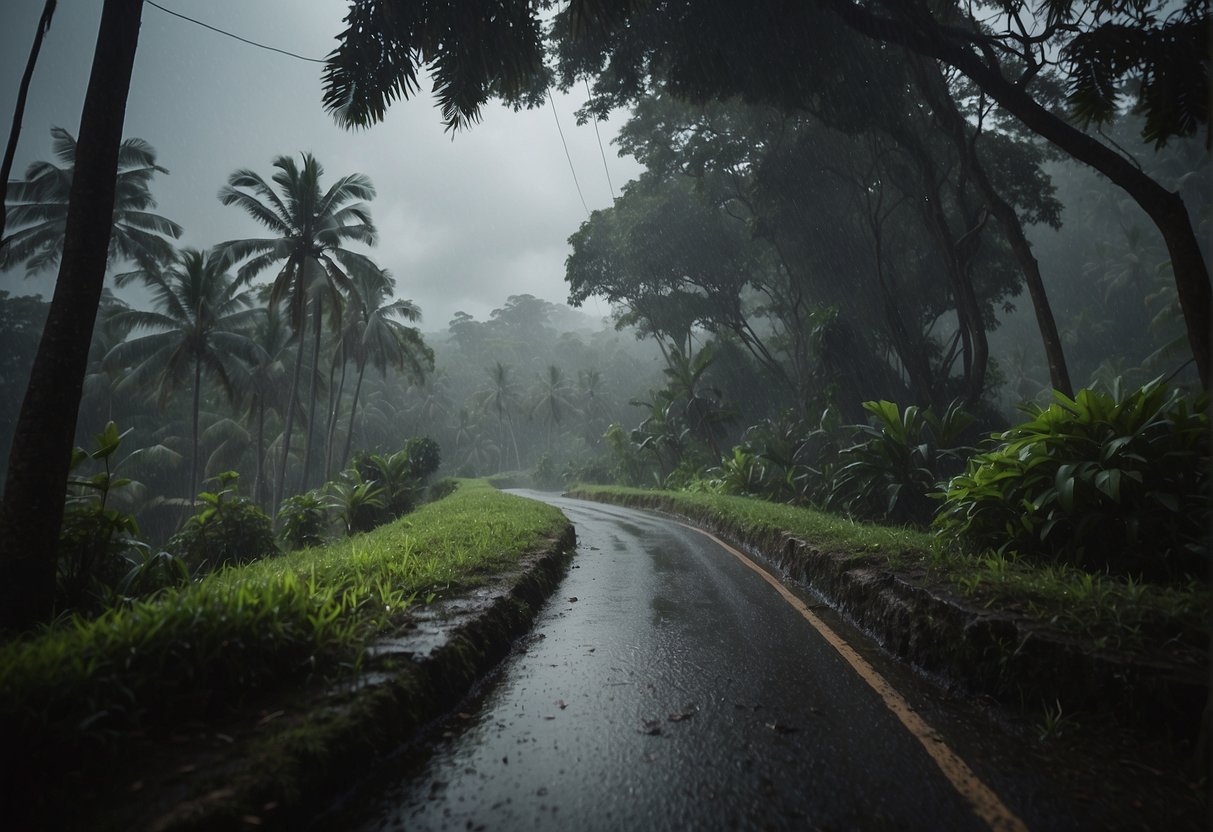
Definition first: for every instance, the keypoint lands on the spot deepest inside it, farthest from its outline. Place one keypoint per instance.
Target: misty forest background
(769, 272)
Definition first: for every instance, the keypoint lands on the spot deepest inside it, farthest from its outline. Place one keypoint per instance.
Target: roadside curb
(285, 778)
(1016, 661)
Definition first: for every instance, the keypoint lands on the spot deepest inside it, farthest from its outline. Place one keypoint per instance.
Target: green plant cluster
(205, 648)
(102, 560)
(898, 461)
(1105, 482)
(228, 529)
(374, 490)
(1101, 481)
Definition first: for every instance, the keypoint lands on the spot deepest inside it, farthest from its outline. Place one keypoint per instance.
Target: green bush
(360, 504)
(229, 529)
(1101, 481)
(899, 461)
(98, 544)
(784, 459)
(546, 475)
(304, 520)
(424, 456)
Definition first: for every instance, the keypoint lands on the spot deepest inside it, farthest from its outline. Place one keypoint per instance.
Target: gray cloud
(464, 220)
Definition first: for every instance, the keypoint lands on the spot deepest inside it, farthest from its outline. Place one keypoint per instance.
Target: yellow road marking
(985, 803)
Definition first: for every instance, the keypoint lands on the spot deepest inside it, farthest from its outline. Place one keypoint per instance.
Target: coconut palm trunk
(318, 317)
(36, 481)
(333, 413)
(197, 406)
(10, 150)
(288, 428)
(349, 437)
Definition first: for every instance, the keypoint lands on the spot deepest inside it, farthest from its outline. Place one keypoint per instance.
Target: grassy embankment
(1109, 612)
(242, 633)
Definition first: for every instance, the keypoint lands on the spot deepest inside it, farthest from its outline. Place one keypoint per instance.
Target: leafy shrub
(424, 456)
(742, 473)
(304, 520)
(229, 529)
(359, 504)
(631, 467)
(784, 459)
(546, 475)
(1100, 481)
(97, 543)
(596, 469)
(151, 572)
(401, 476)
(899, 460)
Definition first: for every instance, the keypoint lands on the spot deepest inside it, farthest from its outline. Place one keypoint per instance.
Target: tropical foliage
(37, 209)
(1106, 480)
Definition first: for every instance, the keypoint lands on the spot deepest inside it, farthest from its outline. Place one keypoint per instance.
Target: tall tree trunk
(193, 492)
(1165, 208)
(10, 150)
(258, 476)
(279, 485)
(332, 430)
(934, 87)
(349, 437)
(311, 400)
(36, 483)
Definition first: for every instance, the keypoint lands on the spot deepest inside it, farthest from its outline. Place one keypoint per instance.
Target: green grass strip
(1109, 612)
(198, 651)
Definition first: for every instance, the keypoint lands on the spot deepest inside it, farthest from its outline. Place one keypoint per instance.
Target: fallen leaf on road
(572, 599)
(560, 704)
(651, 727)
(780, 728)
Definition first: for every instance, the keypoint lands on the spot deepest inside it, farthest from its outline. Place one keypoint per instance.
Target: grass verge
(243, 632)
(1108, 612)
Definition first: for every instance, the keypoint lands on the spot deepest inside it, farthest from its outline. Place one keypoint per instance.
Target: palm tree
(262, 379)
(37, 206)
(199, 311)
(552, 400)
(476, 449)
(500, 398)
(378, 336)
(10, 150)
(310, 229)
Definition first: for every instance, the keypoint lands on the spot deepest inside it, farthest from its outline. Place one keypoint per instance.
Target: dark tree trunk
(6, 168)
(1165, 208)
(290, 419)
(258, 476)
(349, 437)
(933, 85)
(193, 492)
(311, 401)
(333, 413)
(36, 482)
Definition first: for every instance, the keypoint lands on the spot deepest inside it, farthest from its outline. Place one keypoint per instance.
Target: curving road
(668, 685)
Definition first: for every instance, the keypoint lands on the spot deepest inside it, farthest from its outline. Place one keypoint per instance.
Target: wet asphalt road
(666, 686)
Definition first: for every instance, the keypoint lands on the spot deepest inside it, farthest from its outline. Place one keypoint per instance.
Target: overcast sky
(464, 222)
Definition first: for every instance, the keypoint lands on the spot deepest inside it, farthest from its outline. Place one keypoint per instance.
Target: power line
(236, 37)
(567, 155)
(602, 152)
